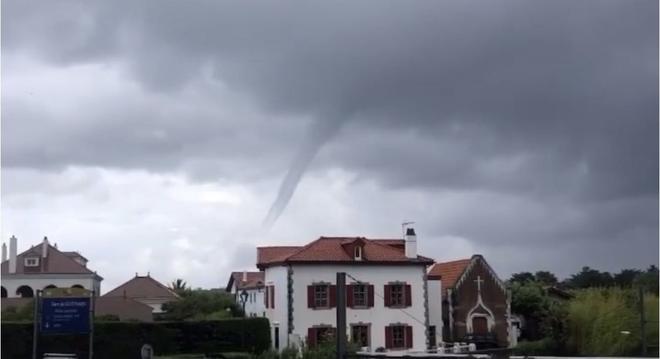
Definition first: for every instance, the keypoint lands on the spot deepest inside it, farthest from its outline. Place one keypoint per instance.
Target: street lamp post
(243, 299)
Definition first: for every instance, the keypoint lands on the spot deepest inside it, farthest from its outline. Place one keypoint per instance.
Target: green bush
(124, 339)
(597, 318)
(537, 347)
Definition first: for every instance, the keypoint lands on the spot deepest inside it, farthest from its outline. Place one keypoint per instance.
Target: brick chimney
(244, 276)
(4, 252)
(411, 243)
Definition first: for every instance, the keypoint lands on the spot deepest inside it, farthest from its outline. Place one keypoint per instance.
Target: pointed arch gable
(476, 259)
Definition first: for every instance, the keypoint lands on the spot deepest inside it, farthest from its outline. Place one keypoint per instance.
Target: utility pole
(341, 315)
(642, 320)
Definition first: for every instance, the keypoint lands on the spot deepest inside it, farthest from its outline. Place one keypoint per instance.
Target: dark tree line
(593, 278)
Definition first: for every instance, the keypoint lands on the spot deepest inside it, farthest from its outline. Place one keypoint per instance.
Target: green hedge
(124, 339)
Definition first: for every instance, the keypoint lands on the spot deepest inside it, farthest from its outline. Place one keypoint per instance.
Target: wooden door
(479, 325)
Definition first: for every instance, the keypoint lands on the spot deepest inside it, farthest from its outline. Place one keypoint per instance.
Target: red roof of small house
(254, 280)
(142, 287)
(448, 272)
(337, 250)
(56, 262)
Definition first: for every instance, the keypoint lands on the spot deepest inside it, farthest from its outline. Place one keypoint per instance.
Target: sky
(173, 137)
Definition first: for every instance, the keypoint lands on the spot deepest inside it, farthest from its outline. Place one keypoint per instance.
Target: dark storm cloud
(575, 81)
(554, 102)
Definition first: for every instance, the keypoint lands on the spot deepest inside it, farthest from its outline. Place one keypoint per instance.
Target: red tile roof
(55, 262)
(141, 287)
(254, 280)
(266, 255)
(334, 249)
(449, 272)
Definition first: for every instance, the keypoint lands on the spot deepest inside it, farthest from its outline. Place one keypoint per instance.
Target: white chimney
(12, 254)
(4, 252)
(44, 248)
(411, 243)
(244, 276)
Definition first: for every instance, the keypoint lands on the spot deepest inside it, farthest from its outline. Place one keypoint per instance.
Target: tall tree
(649, 280)
(545, 277)
(179, 286)
(200, 304)
(522, 277)
(626, 277)
(590, 278)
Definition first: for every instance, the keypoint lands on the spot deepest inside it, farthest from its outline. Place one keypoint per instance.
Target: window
(360, 295)
(358, 252)
(360, 335)
(398, 336)
(324, 334)
(397, 295)
(321, 296)
(32, 262)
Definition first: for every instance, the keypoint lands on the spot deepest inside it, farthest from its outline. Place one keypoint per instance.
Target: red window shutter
(408, 296)
(349, 295)
(370, 295)
(310, 297)
(272, 296)
(266, 296)
(388, 295)
(311, 337)
(409, 337)
(388, 338)
(332, 296)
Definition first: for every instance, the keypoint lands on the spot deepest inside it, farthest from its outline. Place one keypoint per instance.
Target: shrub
(544, 346)
(124, 339)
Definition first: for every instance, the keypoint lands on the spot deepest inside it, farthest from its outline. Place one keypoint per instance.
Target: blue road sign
(65, 315)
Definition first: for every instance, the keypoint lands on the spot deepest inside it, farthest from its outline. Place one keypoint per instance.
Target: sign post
(64, 311)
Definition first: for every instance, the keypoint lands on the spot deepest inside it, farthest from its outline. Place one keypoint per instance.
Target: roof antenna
(404, 226)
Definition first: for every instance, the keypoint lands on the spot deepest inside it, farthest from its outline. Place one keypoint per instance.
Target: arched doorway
(79, 286)
(25, 291)
(50, 286)
(479, 325)
(4, 293)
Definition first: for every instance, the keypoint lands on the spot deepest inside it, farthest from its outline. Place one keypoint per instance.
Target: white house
(252, 283)
(386, 292)
(44, 266)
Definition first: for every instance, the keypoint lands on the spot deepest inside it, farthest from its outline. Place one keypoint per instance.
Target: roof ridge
(301, 249)
(278, 247)
(163, 286)
(67, 257)
(454, 261)
(389, 248)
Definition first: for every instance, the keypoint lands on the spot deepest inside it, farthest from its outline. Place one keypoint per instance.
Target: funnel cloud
(319, 133)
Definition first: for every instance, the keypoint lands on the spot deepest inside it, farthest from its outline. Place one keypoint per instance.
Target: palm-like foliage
(179, 286)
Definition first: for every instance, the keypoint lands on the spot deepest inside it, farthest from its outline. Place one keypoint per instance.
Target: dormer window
(32, 262)
(358, 253)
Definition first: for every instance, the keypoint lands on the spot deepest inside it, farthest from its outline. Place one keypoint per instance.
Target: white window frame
(357, 253)
(31, 262)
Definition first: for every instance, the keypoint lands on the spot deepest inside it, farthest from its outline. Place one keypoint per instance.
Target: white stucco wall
(435, 308)
(254, 307)
(40, 281)
(278, 316)
(378, 316)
